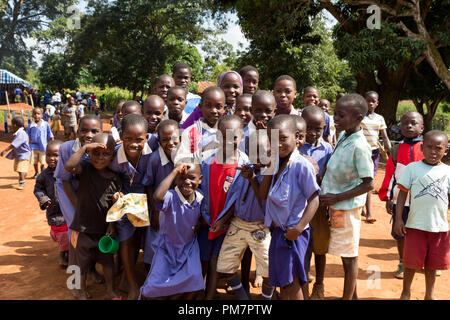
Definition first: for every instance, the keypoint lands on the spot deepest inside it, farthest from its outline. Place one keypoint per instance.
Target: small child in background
(80, 110)
(243, 106)
(402, 154)
(426, 232)
(285, 91)
(160, 166)
(70, 124)
(153, 112)
(292, 200)
(311, 97)
(117, 121)
(348, 177)
(372, 125)
(131, 107)
(20, 150)
(325, 105)
(218, 185)
(250, 79)
(131, 162)
(198, 140)
(97, 186)
(39, 133)
(300, 124)
(320, 150)
(176, 271)
(176, 102)
(247, 230)
(44, 191)
(56, 123)
(181, 74)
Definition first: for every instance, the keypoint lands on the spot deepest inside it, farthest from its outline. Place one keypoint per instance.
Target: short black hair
(434, 133)
(180, 65)
(244, 70)
(370, 93)
(263, 95)
(90, 117)
(18, 121)
(244, 95)
(134, 119)
(355, 101)
(339, 95)
(229, 118)
(286, 77)
(166, 123)
(209, 89)
(54, 142)
(310, 88)
(283, 119)
(177, 88)
(110, 142)
(300, 122)
(165, 75)
(313, 111)
(131, 103)
(412, 112)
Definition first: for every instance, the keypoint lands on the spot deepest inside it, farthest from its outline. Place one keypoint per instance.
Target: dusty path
(28, 256)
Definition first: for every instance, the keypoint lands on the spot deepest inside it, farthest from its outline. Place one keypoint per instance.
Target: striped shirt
(372, 125)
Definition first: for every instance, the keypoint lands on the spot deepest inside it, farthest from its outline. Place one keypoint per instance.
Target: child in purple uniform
(292, 200)
(21, 151)
(176, 271)
(160, 166)
(132, 164)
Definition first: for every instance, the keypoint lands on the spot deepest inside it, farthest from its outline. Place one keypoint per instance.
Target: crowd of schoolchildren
(234, 173)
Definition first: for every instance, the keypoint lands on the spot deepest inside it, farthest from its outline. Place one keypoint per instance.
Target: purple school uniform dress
(21, 150)
(286, 201)
(153, 142)
(159, 168)
(176, 266)
(126, 171)
(39, 135)
(65, 151)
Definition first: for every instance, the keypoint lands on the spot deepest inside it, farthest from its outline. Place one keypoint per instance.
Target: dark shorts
(405, 214)
(209, 248)
(87, 252)
(375, 159)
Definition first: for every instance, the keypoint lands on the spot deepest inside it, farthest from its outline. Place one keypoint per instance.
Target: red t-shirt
(220, 178)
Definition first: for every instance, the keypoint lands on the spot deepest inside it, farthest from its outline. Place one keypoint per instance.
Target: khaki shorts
(344, 232)
(320, 231)
(37, 156)
(21, 166)
(241, 235)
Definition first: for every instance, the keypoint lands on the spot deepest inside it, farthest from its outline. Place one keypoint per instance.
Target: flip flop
(370, 220)
(119, 298)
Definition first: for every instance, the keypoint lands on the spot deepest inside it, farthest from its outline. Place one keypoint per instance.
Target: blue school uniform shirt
(21, 150)
(192, 101)
(126, 170)
(288, 196)
(321, 153)
(160, 168)
(153, 142)
(247, 206)
(39, 135)
(233, 190)
(65, 152)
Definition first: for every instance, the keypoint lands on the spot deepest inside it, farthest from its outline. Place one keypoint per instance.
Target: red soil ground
(28, 256)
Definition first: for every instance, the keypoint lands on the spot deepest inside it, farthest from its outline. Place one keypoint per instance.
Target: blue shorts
(208, 248)
(405, 214)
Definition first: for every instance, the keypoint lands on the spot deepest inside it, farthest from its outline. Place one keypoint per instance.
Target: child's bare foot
(98, 278)
(370, 218)
(405, 295)
(113, 295)
(133, 295)
(80, 294)
(258, 281)
(62, 260)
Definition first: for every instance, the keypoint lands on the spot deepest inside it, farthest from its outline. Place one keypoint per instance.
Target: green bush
(440, 120)
(112, 95)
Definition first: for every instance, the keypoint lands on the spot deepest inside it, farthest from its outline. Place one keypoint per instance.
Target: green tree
(55, 74)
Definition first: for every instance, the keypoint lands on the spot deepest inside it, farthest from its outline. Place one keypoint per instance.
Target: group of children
(235, 172)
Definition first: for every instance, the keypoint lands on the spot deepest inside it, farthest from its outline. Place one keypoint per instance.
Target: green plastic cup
(107, 244)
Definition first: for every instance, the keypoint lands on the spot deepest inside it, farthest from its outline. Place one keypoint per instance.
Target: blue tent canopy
(7, 77)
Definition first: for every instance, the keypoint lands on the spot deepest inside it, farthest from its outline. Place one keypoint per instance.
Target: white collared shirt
(122, 157)
(198, 196)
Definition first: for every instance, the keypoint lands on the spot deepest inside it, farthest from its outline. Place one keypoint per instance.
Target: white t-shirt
(50, 109)
(429, 187)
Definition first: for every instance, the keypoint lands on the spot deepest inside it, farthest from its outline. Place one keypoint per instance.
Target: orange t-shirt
(220, 178)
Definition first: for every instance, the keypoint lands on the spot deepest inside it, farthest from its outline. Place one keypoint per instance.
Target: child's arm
(154, 219)
(308, 214)
(72, 164)
(40, 192)
(399, 226)
(10, 147)
(330, 199)
(219, 225)
(386, 141)
(248, 173)
(70, 192)
(164, 186)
